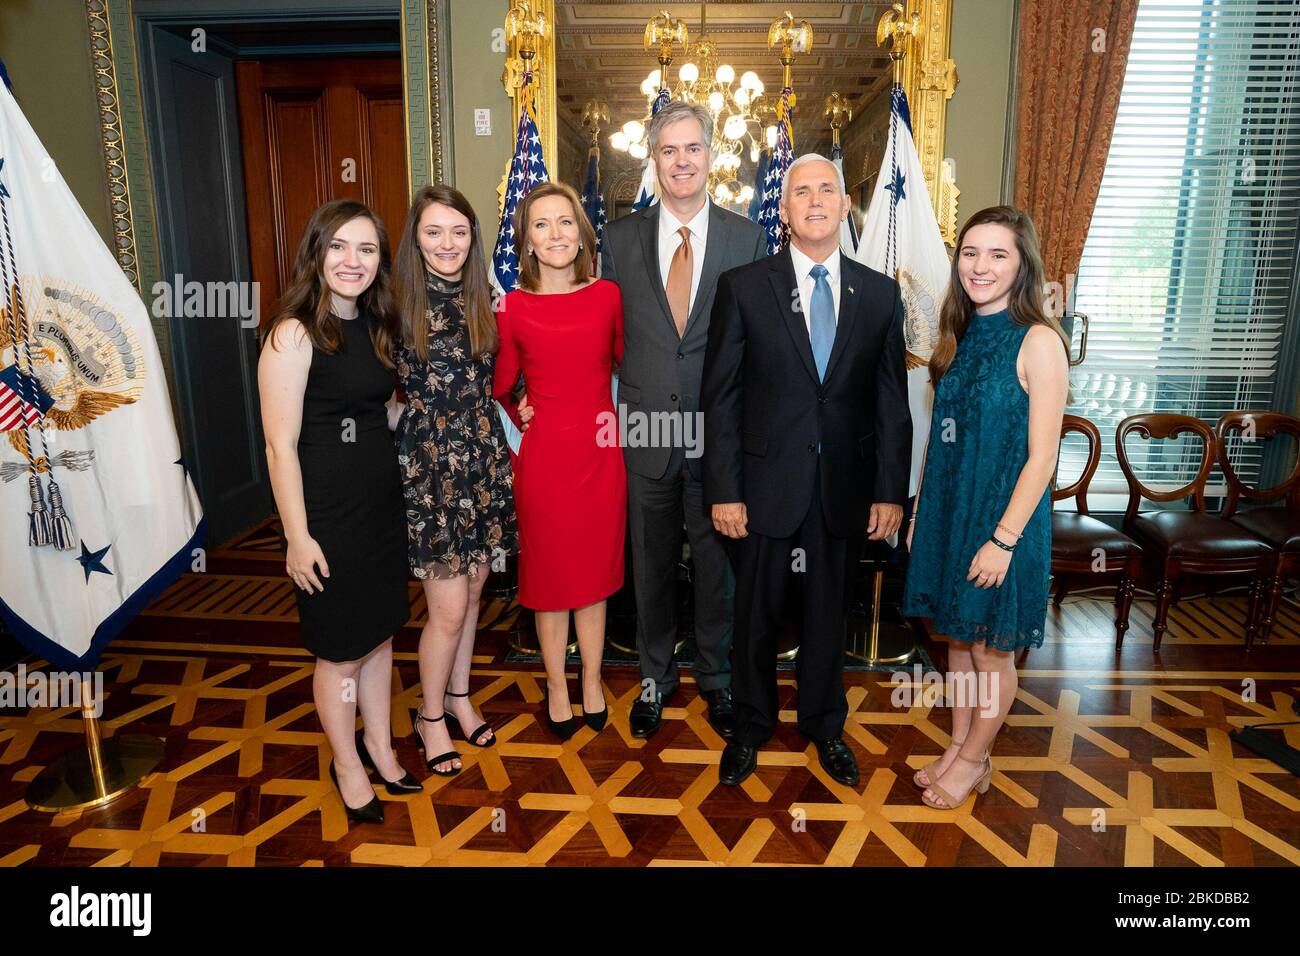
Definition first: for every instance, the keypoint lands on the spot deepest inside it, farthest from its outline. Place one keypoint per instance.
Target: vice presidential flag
(900, 237)
(97, 512)
(848, 231)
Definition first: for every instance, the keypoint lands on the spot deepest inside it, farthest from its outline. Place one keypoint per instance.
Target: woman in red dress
(563, 329)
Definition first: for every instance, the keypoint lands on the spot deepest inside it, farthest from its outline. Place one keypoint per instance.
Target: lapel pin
(851, 290)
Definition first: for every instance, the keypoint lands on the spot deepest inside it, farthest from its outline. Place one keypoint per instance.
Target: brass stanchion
(523, 635)
(885, 642)
(93, 775)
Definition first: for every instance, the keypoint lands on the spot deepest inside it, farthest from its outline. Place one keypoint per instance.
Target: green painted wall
(981, 46)
(476, 66)
(46, 48)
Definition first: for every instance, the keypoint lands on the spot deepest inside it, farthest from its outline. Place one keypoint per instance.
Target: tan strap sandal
(949, 802)
(928, 769)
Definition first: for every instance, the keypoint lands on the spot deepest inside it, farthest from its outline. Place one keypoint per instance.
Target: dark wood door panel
(316, 130)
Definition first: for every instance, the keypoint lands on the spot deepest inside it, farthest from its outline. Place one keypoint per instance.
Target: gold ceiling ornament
(917, 37)
(896, 32)
(839, 114)
(790, 37)
(662, 33)
(595, 114)
(527, 27)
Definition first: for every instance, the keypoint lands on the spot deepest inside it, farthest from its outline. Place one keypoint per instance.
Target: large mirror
(601, 81)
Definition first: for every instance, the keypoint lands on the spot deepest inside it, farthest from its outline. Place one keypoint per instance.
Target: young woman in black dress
(455, 463)
(325, 376)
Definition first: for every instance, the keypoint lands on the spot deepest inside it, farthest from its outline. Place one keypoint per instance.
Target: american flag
(848, 231)
(527, 169)
(22, 400)
(769, 216)
(593, 203)
(646, 195)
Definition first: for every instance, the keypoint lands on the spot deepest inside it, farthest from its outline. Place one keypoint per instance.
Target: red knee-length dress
(570, 486)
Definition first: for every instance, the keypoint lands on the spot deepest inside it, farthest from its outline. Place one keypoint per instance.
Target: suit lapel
(649, 230)
(786, 289)
(850, 305)
(713, 255)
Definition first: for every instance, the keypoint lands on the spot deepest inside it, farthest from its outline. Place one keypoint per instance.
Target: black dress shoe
(838, 761)
(738, 762)
(595, 719)
(564, 729)
(372, 812)
(407, 784)
(647, 715)
(722, 713)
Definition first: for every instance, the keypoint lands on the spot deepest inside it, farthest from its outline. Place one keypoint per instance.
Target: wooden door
(316, 130)
(194, 138)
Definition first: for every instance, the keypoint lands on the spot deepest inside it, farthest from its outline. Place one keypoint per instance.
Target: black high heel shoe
(407, 784)
(433, 762)
(594, 719)
(372, 812)
(453, 725)
(564, 729)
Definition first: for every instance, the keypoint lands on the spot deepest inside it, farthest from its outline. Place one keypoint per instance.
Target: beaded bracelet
(1005, 547)
(1002, 527)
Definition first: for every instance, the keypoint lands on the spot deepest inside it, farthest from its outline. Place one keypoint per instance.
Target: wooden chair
(1192, 542)
(1279, 527)
(1082, 544)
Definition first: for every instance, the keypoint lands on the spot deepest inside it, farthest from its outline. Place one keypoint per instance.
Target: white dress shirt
(803, 273)
(669, 240)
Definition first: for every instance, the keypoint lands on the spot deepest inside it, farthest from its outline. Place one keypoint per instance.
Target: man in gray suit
(666, 260)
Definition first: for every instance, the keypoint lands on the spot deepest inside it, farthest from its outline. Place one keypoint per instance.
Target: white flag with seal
(97, 511)
(900, 237)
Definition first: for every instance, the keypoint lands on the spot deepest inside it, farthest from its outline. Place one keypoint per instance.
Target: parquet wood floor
(1108, 759)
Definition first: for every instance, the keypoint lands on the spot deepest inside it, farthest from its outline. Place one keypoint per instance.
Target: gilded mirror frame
(929, 79)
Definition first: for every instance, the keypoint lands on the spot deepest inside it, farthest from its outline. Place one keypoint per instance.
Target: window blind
(1190, 256)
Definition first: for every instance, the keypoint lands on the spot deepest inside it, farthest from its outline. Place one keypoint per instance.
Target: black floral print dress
(451, 448)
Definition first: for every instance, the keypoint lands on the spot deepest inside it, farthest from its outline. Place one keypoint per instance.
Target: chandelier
(743, 121)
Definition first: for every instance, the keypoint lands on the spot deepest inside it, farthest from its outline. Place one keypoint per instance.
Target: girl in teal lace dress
(981, 535)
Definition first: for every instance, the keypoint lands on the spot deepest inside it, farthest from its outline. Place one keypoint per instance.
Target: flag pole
(526, 31)
(102, 770)
(882, 643)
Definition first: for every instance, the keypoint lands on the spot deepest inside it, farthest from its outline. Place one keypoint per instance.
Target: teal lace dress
(979, 441)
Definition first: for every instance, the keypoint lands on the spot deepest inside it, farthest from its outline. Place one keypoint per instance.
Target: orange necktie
(679, 282)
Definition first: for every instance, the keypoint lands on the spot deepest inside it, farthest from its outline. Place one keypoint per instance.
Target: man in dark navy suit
(807, 444)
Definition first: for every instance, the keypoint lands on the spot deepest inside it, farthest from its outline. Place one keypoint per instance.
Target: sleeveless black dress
(353, 492)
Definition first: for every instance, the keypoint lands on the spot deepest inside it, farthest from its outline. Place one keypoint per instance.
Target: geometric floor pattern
(1106, 760)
